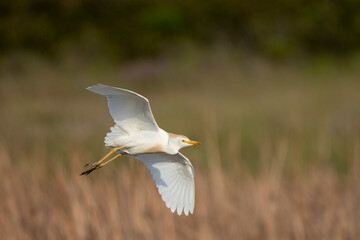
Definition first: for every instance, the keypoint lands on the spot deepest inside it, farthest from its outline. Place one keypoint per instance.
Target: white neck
(172, 145)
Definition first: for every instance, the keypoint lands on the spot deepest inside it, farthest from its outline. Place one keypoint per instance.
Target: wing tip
(179, 211)
(93, 87)
(99, 89)
(192, 211)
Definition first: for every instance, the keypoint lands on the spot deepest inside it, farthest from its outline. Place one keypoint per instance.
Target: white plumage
(174, 178)
(137, 133)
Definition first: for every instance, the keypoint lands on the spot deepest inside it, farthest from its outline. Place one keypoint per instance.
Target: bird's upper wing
(174, 178)
(130, 110)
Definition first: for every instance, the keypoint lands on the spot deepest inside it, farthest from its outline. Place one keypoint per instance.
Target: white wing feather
(174, 178)
(130, 111)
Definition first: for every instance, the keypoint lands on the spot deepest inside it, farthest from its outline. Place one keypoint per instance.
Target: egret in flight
(136, 133)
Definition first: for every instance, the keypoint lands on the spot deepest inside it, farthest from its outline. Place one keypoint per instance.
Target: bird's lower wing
(174, 178)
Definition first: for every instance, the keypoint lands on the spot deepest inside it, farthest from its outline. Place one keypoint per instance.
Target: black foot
(91, 167)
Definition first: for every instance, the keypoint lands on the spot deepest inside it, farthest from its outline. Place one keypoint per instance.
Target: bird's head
(179, 141)
(185, 142)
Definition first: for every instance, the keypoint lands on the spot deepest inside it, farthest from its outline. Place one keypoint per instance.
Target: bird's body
(141, 142)
(136, 133)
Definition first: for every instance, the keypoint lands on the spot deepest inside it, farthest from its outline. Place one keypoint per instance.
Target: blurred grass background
(272, 90)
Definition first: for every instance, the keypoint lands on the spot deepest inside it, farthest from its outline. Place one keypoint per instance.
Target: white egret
(136, 133)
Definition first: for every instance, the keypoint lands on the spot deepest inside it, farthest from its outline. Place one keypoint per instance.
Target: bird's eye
(183, 140)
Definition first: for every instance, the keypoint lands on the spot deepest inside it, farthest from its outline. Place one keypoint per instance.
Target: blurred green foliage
(137, 28)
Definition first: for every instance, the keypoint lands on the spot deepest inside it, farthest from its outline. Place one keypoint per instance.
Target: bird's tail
(112, 138)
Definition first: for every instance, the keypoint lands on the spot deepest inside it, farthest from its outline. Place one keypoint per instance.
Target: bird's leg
(96, 165)
(119, 155)
(105, 157)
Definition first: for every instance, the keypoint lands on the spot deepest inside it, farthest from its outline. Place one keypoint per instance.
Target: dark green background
(127, 29)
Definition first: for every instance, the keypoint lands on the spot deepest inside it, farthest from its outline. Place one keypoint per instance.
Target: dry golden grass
(53, 202)
(280, 160)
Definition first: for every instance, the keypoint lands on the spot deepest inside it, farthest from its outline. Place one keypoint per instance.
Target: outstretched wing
(174, 178)
(130, 110)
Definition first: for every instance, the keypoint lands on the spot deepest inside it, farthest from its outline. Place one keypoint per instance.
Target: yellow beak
(192, 142)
